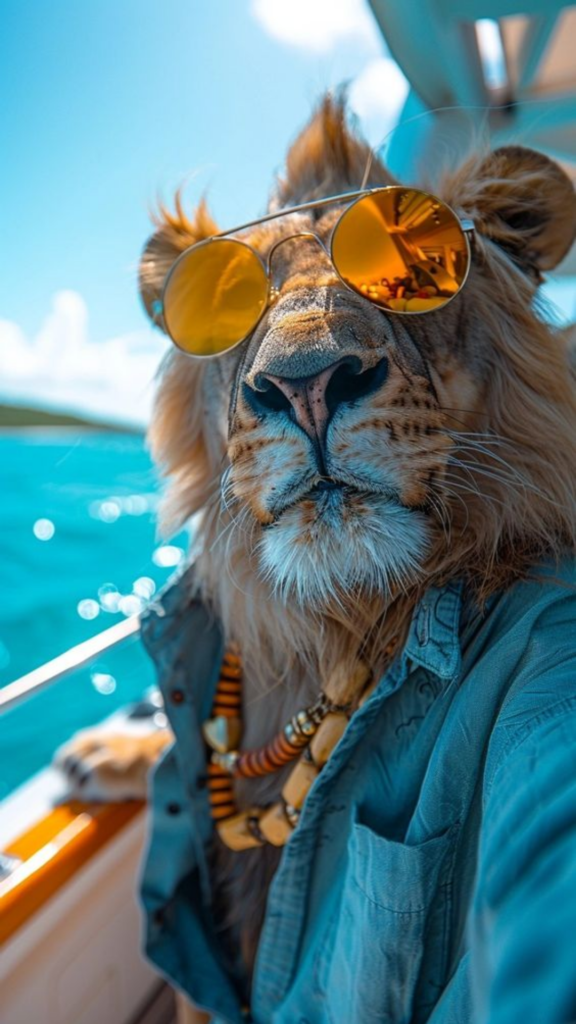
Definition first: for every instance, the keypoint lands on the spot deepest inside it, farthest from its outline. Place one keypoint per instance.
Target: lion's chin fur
(305, 601)
(320, 550)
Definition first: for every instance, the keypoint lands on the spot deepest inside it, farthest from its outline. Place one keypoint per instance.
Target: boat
(69, 917)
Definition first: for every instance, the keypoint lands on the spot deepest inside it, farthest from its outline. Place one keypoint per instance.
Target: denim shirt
(432, 876)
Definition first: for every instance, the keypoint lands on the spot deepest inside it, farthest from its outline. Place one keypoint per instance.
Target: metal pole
(74, 658)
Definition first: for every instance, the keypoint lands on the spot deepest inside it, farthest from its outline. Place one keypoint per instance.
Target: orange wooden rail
(52, 851)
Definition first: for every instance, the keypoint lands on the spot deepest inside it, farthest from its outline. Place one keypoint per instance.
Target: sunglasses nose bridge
(299, 234)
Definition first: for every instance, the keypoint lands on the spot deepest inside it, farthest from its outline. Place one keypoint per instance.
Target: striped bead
(228, 698)
(230, 673)
(228, 704)
(220, 813)
(216, 784)
(256, 763)
(226, 710)
(220, 793)
(231, 666)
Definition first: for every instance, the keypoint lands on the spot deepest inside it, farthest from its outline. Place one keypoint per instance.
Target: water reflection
(44, 529)
(135, 505)
(109, 597)
(168, 556)
(103, 682)
(110, 509)
(88, 609)
(144, 587)
(130, 604)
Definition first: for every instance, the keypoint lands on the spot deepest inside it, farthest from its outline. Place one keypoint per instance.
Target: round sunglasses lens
(403, 249)
(214, 297)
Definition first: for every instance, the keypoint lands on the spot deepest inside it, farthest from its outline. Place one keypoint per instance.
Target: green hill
(17, 416)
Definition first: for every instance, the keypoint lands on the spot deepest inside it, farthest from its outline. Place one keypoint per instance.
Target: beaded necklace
(310, 736)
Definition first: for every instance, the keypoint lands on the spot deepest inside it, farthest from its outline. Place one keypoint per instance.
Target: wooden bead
(222, 734)
(235, 832)
(329, 732)
(274, 825)
(298, 783)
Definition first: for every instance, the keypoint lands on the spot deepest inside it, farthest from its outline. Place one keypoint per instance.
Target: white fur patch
(382, 545)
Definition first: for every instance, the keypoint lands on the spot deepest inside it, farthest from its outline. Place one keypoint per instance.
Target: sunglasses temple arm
(301, 208)
(466, 224)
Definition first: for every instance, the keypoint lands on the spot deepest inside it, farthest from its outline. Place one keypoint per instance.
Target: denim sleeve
(522, 927)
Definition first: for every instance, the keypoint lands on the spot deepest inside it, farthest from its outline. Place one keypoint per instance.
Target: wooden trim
(52, 851)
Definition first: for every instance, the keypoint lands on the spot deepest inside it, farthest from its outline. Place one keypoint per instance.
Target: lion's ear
(175, 233)
(524, 202)
(327, 157)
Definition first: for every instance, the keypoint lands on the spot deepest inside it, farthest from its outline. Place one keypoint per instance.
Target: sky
(104, 106)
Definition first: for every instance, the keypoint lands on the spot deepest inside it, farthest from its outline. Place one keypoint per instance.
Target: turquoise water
(78, 552)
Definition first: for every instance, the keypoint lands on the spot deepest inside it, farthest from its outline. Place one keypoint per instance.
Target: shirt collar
(434, 637)
(433, 640)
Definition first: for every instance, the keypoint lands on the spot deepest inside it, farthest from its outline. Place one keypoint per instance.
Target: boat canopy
(512, 61)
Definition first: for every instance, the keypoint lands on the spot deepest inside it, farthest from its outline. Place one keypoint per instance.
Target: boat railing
(75, 657)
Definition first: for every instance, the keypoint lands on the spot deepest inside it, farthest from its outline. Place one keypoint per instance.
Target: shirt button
(173, 808)
(177, 696)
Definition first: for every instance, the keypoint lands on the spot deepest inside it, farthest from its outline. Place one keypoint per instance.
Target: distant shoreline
(20, 418)
(63, 430)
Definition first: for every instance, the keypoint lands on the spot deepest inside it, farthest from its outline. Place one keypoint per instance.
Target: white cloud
(378, 93)
(377, 96)
(318, 25)
(61, 368)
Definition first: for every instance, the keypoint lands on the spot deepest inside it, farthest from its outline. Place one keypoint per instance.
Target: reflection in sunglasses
(402, 249)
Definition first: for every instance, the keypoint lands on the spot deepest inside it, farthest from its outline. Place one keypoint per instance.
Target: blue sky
(106, 104)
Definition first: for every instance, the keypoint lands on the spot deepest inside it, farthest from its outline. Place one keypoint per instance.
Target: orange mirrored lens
(403, 249)
(214, 297)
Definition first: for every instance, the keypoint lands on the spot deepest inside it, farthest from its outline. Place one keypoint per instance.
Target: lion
(343, 463)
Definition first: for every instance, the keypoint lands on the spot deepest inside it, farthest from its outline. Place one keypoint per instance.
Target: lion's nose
(312, 401)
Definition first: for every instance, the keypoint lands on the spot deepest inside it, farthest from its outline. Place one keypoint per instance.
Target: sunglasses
(403, 250)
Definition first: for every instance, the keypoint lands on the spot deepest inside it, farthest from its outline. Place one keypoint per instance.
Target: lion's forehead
(264, 237)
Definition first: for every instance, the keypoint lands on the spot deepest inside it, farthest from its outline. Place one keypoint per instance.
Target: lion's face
(344, 448)
(332, 421)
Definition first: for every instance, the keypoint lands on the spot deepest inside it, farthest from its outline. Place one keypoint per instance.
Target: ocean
(78, 553)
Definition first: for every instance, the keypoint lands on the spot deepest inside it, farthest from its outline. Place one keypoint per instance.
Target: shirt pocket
(384, 953)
